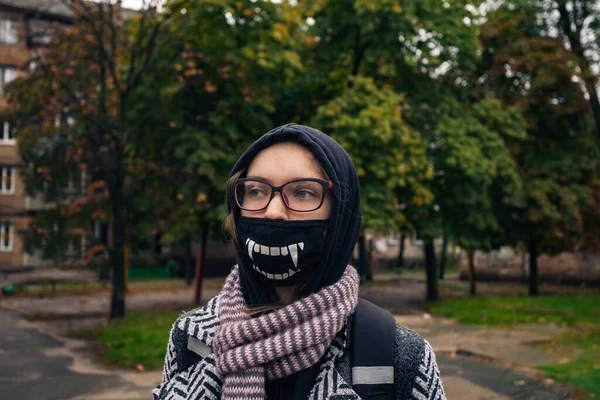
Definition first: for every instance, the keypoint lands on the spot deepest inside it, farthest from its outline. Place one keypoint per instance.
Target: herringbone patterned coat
(190, 371)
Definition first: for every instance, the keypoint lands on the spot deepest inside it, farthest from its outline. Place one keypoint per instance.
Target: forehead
(282, 162)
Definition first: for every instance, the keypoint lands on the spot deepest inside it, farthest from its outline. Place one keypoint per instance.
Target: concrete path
(166, 295)
(36, 366)
(465, 379)
(516, 346)
(98, 305)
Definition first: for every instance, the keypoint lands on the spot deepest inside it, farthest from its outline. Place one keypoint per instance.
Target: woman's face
(279, 164)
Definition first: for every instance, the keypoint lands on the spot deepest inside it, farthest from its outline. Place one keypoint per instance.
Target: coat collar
(202, 323)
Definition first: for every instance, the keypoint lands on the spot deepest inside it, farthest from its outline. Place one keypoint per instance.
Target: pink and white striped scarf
(280, 343)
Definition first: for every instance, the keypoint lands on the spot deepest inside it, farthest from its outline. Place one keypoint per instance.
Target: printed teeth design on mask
(291, 249)
(278, 277)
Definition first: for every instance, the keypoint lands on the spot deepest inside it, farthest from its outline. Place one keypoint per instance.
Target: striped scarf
(280, 343)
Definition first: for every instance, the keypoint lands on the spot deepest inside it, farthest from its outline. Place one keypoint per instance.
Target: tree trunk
(361, 257)
(156, 246)
(430, 269)
(369, 261)
(188, 265)
(533, 266)
(200, 259)
(117, 301)
(400, 261)
(472, 275)
(444, 256)
(595, 103)
(364, 266)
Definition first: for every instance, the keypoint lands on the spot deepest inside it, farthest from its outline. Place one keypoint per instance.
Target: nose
(276, 208)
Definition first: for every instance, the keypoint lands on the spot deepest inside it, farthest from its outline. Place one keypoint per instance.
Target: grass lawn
(140, 339)
(580, 345)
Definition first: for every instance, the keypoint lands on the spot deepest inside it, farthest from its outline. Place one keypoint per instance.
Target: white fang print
(292, 250)
(250, 244)
(294, 253)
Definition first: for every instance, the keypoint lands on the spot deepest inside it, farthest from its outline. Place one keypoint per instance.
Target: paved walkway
(516, 346)
(37, 366)
(37, 362)
(465, 379)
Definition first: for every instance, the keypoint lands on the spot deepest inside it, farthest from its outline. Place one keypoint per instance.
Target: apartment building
(25, 30)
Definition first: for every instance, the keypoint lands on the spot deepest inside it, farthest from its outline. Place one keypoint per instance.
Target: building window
(6, 236)
(8, 31)
(7, 186)
(77, 181)
(7, 133)
(97, 230)
(7, 74)
(76, 247)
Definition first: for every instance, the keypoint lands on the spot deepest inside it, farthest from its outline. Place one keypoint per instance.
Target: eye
(255, 192)
(304, 194)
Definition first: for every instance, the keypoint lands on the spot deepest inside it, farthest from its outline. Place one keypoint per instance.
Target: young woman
(283, 325)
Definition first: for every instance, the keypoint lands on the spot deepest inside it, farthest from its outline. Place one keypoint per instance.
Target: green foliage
(389, 156)
(219, 99)
(475, 170)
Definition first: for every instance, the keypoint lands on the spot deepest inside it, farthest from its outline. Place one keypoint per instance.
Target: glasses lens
(303, 195)
(252, 195)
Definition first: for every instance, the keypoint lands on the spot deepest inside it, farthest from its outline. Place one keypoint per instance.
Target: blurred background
(474, 127)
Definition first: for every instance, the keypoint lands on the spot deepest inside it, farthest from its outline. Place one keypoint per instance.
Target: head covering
(345, 218)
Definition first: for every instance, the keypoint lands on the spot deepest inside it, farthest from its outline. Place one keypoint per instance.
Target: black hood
(345, 218)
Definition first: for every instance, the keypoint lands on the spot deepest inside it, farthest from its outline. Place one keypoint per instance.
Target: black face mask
(280, 253)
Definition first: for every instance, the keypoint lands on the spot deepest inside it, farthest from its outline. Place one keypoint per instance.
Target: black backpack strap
(372, 352)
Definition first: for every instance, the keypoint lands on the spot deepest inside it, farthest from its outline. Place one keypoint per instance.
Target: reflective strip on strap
(372, 375)
(198, 347)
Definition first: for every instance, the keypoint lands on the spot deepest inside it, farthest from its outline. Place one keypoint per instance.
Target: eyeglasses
(302, 195)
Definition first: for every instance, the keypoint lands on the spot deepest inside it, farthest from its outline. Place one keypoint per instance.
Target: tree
(558, 161)
(476, 174)
(576, 25)
(80, 108)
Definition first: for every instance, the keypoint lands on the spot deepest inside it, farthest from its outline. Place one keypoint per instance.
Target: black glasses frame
(327, 185)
